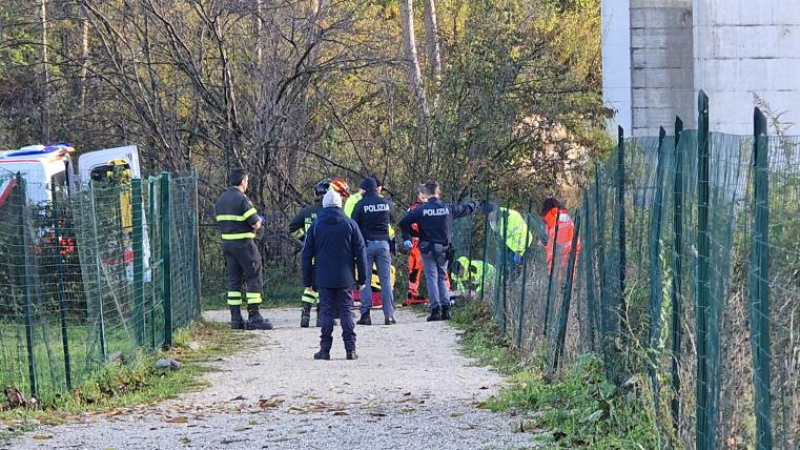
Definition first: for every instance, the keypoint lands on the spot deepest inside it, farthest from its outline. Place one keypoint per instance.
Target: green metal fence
(684, 281)
(93, 274)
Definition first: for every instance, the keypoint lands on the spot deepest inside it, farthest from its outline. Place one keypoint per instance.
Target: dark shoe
(305, 316)
(389, 321)
(255, 321)
(319, 320)
(351, 354)
(365, 319)
(446, 313)
(322, 355)
(436, 315)
(237, 321)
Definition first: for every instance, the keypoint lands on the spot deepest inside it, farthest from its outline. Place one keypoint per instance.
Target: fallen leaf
(236, 399)
(185, 440)
(482, 405)
(179, 419)
(456, 414)
(483, 388)
(42, 437)
(270, 403)
(341, 413)
(239, 429)
(377, 414)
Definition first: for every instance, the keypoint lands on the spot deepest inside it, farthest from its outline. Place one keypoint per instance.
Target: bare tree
(432, 45)
(45, 89)
(412, 58)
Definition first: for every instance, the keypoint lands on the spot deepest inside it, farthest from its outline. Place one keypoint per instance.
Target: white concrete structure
(734, 50)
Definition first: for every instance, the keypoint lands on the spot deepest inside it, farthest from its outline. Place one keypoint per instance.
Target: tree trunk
(45, 90)
(84, 55)
(412, 59)
(432, 44)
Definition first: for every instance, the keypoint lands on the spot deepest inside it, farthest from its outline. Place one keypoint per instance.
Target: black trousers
(244, 271)
(336, 301)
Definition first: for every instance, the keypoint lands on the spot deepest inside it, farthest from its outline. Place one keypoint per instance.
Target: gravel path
(410, 389)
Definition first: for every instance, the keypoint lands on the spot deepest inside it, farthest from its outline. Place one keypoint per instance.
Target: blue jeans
(435, 268)
(332, 302)
(378, 253)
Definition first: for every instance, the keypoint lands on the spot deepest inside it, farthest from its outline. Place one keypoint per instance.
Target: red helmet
(340, 186)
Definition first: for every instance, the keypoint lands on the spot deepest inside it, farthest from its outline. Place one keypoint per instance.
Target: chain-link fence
(681, 273)
(92, 274)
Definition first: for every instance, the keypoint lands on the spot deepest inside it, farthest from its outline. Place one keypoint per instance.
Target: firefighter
(435, 222)
(472, 275)
(333, 254)
(553, 212)
(238, 224)
(374, 216)
(298, 228)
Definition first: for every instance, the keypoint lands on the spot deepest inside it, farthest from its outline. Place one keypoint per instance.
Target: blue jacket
(374, 215)
(435, 220)
(333, 252)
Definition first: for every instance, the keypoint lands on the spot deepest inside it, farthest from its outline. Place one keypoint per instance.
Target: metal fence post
(485, 247)
(677, 276)
(152, 201)
(759, 285)
(563, 319)
(165, 255)
(588, 264)
(623, 309)
(551, 279)
(656, 282)
(505, 256)
(98, 268)
(196, 251)
(605, 308)
(62, 309)
(138, 260)
(25, 283)
(705, 433)
(521, 317)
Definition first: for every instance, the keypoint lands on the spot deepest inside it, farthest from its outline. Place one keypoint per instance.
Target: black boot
(319, 320)
(446, 313)
(364, 320)
(305, 316)
(255, 321)
(436, 315)
(323, 355)
(389, 321)
(237, 321)
(351, 354)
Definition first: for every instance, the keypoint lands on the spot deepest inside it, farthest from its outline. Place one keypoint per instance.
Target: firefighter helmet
(340, 186)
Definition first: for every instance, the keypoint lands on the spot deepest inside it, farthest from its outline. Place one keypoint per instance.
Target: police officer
(238, 224)
(298, 228)
(435, 222)
(374, 216)
(332, 255)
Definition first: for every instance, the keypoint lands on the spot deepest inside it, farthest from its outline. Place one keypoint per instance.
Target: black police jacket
(374, 215)
(435, 220)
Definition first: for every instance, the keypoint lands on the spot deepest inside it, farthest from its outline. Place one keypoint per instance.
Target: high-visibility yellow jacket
(473, 276)
(517, 235)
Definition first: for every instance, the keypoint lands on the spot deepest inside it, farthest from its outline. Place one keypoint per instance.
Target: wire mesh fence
(680, 272)
(92, 274)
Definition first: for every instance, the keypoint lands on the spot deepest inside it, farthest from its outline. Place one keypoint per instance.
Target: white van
(45, 166)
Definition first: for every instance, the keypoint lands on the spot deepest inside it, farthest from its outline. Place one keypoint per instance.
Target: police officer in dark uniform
(238, 223)
(374, 216)
(435, 222)
(298, 228)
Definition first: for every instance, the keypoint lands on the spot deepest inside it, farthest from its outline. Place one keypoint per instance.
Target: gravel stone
(409, 389)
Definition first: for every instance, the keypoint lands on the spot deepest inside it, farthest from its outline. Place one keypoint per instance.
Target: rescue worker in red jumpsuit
(559, 238)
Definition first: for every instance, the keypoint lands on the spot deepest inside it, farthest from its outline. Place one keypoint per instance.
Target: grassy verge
(121, 385)
(578, 409)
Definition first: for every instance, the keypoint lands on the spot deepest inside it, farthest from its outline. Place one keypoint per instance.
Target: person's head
(432, 189)
(239, 179)
(369, 185)
(549, 204)
(421, 196)
(341, 187)
(332, 199)
(378, 182)
(321, 188)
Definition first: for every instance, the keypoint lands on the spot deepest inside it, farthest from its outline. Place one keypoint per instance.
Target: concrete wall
(616, 52)
(743, 48)
(662, 64)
